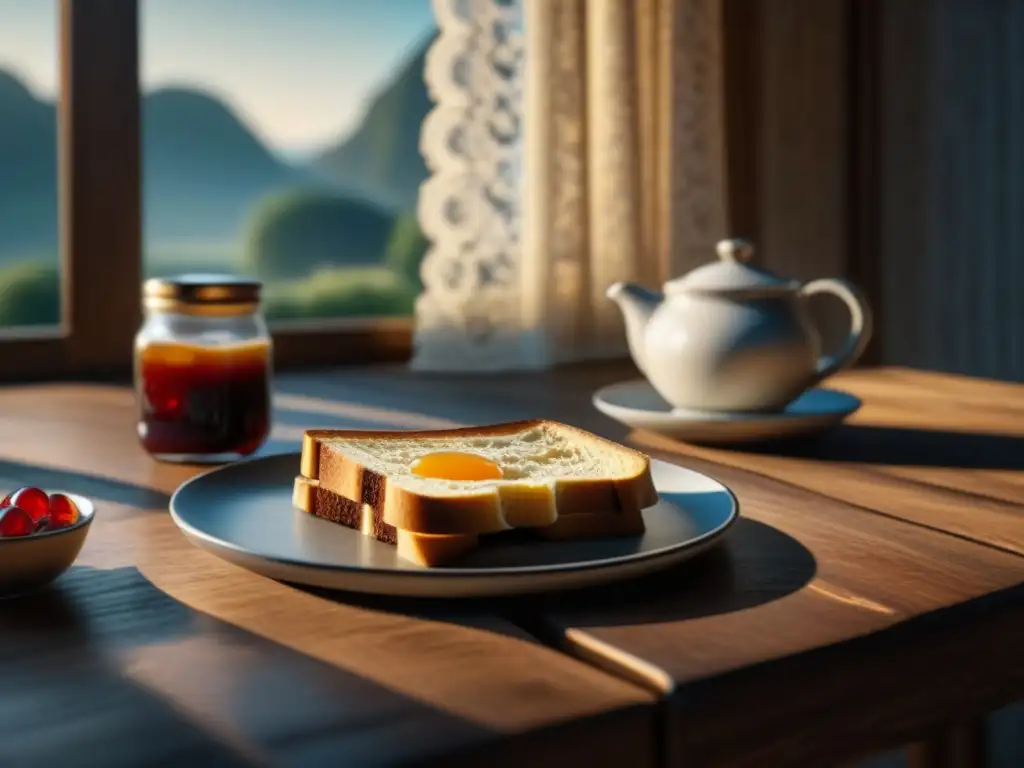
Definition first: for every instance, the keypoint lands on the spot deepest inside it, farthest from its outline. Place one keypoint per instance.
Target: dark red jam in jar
(203, 362)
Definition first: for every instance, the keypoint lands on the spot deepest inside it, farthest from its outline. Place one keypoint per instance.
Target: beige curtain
(621, 174)
(624, 156)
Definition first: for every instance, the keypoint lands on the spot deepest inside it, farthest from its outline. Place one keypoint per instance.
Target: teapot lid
(731, 274)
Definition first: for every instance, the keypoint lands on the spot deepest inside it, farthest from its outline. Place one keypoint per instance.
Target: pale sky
(298, 71)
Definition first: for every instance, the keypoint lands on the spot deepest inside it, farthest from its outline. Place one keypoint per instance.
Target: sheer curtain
(574, 143)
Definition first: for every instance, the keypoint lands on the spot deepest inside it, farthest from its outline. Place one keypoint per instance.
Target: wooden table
(869, 597)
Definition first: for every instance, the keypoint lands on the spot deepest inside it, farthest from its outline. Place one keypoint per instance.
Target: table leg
(960, 746)
(937, 751)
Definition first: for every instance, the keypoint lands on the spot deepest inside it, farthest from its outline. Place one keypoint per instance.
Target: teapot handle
(860, 323)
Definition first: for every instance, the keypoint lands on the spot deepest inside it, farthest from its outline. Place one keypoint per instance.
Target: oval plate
(243, 513)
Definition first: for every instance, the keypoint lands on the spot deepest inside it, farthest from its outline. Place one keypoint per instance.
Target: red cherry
(15, 521)
(32, 500)
(63, 512)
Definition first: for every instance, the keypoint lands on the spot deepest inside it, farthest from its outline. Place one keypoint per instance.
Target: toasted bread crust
(307, 495)
(426, 550)
(338, 509)
(434, 550)
(472, 513)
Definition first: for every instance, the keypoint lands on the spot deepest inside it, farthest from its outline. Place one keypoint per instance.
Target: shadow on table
(104, 668)
(902, 446)
(470, 398)
(756, 564)
(66, 698)
(14, 474)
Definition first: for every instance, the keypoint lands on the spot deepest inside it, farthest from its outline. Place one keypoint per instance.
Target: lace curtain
(574, 143)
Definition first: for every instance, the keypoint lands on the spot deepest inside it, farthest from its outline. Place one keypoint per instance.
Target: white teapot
(731, 337)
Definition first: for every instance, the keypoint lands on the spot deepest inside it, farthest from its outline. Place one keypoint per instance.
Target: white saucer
(636, 404)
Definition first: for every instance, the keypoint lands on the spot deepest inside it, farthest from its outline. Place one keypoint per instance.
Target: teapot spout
(637, 304)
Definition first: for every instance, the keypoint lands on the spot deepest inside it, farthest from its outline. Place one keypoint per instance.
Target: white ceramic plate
(243, 513)
(638, 405)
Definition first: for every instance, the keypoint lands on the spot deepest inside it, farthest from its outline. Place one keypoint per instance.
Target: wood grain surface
(870, 595)
(941, 451)
(938, 450)
(151, 651)
(827, 682)
(820, 630)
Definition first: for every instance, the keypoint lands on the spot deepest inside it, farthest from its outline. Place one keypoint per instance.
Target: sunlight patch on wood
(406, 419)
(848, 598)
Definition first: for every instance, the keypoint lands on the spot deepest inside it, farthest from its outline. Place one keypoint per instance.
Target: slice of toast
(551, 471)
(433, 551)
(426, 550)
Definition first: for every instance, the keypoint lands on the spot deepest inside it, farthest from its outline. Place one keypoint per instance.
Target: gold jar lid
(202, 294)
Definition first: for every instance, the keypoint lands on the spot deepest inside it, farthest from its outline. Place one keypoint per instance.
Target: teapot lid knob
(735, 250)
(731, 274)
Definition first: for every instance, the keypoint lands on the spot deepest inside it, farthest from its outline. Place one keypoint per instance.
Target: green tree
(296, 233)
(345, 292)
(29, 294)
(406, 248)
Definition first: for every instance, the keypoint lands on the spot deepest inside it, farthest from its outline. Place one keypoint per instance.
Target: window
(29, 264)
(255, 140)
(282, 140)
(96, 190)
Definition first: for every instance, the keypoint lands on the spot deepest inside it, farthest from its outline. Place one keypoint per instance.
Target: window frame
(100, 222)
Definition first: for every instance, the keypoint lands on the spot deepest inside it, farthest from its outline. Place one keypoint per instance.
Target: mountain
(202, 168)
(381, 158)
(204, 171)
(28, 173)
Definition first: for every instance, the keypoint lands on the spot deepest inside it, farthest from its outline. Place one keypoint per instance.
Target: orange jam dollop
(456, 465)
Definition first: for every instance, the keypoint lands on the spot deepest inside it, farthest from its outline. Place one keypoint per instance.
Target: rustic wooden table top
(870, 593)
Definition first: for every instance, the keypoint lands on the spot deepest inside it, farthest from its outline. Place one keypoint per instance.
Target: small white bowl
(30, 562)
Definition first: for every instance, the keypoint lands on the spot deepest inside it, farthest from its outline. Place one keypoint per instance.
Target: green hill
(381, 159)
(204, 172)
(28, 173)
(299, 232)
(202, 168)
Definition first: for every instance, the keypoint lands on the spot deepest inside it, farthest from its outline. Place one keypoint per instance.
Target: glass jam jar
(203, 363)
